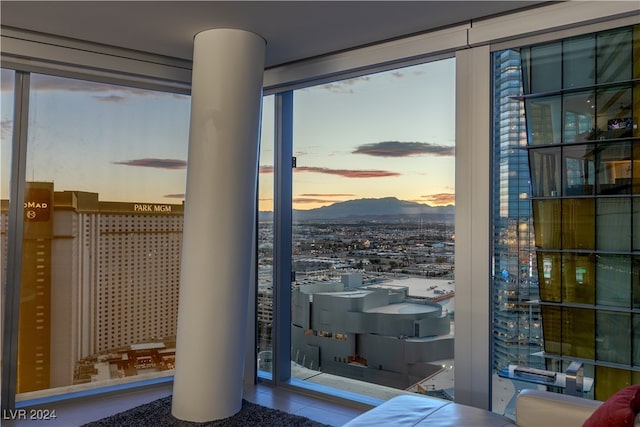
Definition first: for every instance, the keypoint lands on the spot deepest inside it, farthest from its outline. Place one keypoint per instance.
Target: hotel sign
(37, 204)
(151, 208)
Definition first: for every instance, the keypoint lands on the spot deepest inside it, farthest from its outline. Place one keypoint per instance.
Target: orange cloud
(440, 199)
(348, 173)
(302, 200)
(266, 169)
(326, 195)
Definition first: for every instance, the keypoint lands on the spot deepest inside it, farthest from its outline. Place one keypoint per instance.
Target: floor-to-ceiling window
(105, 177)
(7, 82)
(373, 237)
(7, 79)
(104, 199)
(265, 238)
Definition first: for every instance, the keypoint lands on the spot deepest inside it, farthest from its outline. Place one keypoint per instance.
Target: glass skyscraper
(582, 104)
(516, 319)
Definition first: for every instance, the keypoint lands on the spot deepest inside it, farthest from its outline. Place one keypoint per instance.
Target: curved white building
(374, 333)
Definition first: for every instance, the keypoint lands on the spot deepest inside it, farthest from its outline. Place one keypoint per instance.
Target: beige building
(96, 276)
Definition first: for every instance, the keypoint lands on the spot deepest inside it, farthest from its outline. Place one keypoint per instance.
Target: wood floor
(83, 410)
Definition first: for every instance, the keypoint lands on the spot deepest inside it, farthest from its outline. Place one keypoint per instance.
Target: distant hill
(373, 208)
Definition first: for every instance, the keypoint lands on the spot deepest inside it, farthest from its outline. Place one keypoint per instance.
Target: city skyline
(389, 136)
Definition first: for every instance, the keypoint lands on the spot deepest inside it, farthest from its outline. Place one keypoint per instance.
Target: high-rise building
(516, 320)
(96, 276)
(35, 339)
(582, 101)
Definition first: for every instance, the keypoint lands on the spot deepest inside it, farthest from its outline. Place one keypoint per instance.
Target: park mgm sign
(41, 201)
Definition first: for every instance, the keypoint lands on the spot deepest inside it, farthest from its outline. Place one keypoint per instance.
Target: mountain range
(372, 208)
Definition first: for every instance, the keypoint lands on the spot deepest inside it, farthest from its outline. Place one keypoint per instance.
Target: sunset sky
(388, 134)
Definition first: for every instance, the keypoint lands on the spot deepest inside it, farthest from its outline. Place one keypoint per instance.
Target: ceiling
(294, 30)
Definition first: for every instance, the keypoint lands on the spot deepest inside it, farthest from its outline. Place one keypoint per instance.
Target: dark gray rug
(158, 414)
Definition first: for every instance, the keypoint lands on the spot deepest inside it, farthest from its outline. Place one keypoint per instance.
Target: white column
(220, 206)
(473, 227)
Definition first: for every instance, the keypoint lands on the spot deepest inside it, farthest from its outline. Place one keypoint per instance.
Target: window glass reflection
(545, 171)
(578, 224)
(635, 167)
(613, 219)
(611, 380)
(544, 120)
(635, 336)
(552, 328)
(579, 276)
(579, 113)
(636, 283)
(578, 61)
(614, 168)
(579, 170)
(550, 276)
(614, 55)
(613, 280)
(613, 347)
(614, 113)
(546, 66)
(547, 223)
(578, 332)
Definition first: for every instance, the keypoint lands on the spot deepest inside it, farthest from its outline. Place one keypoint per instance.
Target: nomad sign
(37, 204)
(139, 207)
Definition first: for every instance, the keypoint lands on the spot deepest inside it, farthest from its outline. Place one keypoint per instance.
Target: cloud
(327, 195)
(266, 169)
(175, 196)
(299, 200)
(6, 84)
(404, 149)
(397, 74)
(340, 172)
(43, 82)
(440, 199)
(155, 163)
(344, 86)
(102, 91)
(348, 173)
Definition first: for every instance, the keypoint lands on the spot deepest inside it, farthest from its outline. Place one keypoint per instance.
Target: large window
(104, 199)
(7, 80)
(373, 205)
(105, 179)
(265, 237)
